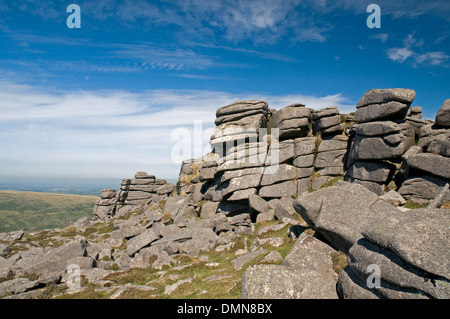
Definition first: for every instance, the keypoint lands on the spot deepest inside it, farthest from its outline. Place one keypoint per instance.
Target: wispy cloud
(412, 51)
(164, 58)
(381, 36)
(110, 133)
(399, 54)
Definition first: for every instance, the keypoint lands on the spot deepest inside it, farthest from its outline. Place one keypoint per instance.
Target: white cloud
(262, 21)
(111, 133)
(381, 36)
(399, 54)
(431, 58)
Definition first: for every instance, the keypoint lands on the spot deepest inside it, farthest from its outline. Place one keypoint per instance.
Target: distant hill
(32, 211)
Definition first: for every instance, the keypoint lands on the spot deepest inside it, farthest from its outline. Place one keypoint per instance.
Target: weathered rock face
(382, 135)
(327, 121)
(292, 121)
(306, 273)
(443, 115)
(384, 104)
(422, 188)
(427, 169)
(329, 162)
(412, 265)
(430, 163)
(238, 121)
(380, 141)
(378, 96)
(339, 219)
(53, 261)
(373, 175)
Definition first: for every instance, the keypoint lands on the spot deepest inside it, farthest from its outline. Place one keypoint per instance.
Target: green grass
(34, 211)
(225, 288)
(414, 205)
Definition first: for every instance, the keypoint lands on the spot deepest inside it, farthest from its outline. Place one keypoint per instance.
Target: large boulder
(433, 164)
(56, 260)
(239, 110)
(306, 273)
(373, 175)
(292, 121)
(419, 188)
(340, 212)
(431, 134)
(408, 235)
(395, 271)
(384, 104)
(443, 115)
(378, 96)
(142, 240)
(385, 111)
(379, 141)
(411, 251)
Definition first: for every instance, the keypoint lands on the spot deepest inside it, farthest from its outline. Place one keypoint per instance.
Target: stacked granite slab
(134, 192)
(303, 159)
(272, 164)
(105, 207)
(292, 121)
(415, 121)
(238, 122)
(427, 169)
(327, 121)
(379, 138)
(198, 172)
(329, 162)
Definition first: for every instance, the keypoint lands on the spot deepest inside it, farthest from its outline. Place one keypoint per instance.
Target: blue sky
(105, 100)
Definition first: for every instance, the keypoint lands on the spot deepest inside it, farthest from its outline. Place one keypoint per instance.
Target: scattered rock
(171, 288)
(394, 198)
(142, 240)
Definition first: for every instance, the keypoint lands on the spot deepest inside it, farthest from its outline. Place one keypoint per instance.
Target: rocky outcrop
(381, 136)
(411, 265)
(427, 169)
(133, 192)
(378, 237)
(265, 168)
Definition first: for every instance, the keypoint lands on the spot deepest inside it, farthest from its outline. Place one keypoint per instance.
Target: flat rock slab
(421, 237)
(281, 282)
(239, 262)
(394, 269)
(384, 111)
(171, 288)
(142, 240)
(431, 163)
(340, 212)
(377, 96)
(56, 259)
(422, 188)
